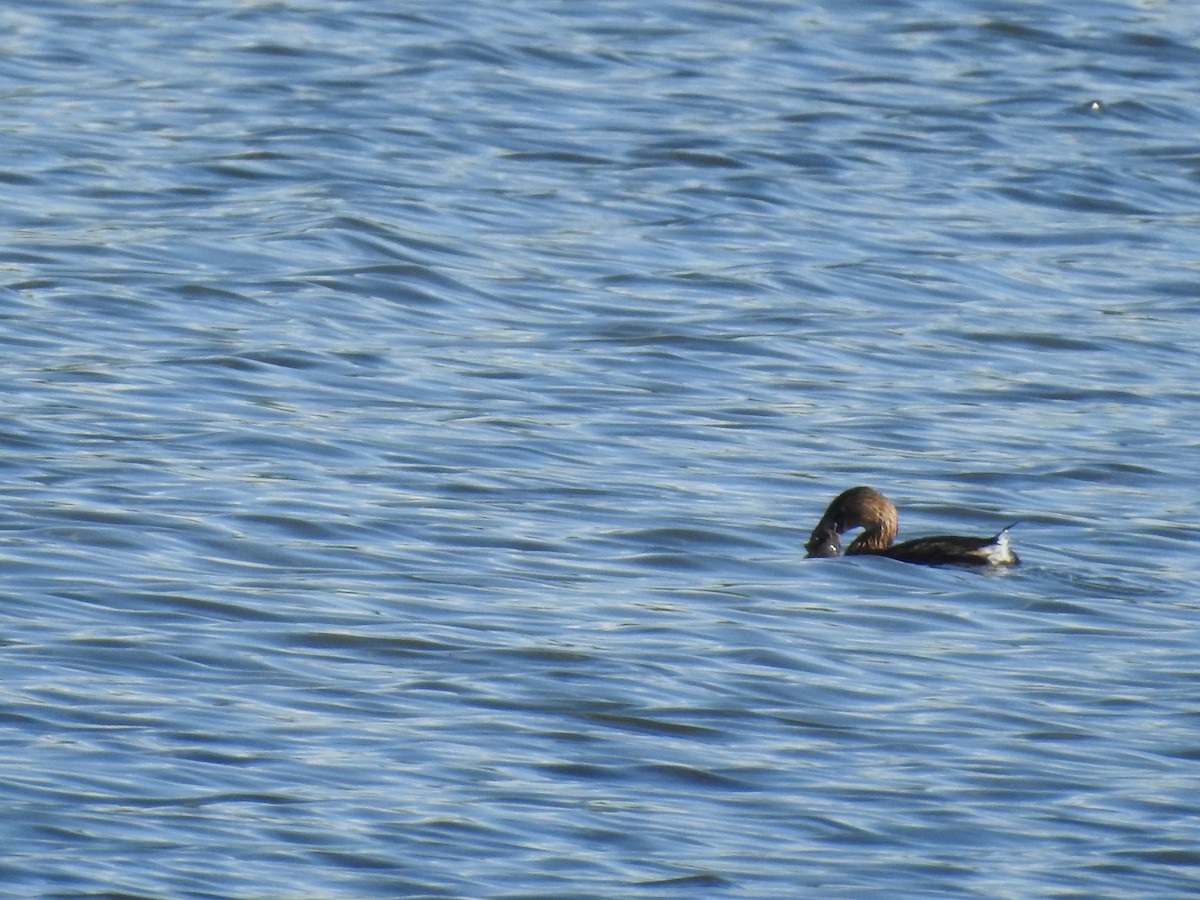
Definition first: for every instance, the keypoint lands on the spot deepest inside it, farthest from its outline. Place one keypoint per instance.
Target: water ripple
(414, 423)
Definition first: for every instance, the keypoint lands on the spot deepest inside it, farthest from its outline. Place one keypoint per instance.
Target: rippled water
(414, 415)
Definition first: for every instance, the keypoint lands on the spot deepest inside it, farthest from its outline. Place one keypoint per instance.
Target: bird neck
(875, 538)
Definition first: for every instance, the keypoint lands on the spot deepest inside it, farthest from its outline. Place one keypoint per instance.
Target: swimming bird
(866, 508)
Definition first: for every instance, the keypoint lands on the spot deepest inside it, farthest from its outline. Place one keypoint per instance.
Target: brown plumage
(863, 507)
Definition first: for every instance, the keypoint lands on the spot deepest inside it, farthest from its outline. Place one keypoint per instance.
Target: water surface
(414, 417)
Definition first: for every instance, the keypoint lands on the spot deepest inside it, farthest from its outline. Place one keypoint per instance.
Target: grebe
(874, 513)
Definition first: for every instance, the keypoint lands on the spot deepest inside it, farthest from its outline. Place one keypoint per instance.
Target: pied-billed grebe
(874, 513)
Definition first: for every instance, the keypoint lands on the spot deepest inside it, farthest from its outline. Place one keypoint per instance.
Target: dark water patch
(701, 880)
(357, 645)
(1173, 856)
(551, 156)
(646, 725)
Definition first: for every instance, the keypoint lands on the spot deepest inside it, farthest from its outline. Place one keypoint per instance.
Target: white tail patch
(998, 552)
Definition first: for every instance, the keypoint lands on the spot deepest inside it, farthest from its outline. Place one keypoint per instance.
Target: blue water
(414, 414)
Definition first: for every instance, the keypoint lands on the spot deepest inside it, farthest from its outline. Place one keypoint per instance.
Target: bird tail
(998, 552)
